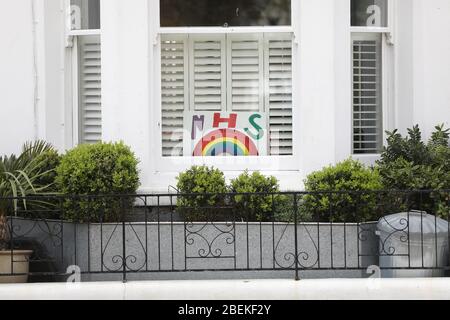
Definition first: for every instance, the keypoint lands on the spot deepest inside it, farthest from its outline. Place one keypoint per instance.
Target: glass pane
(209, 13)
(85, 14)
(369, 13)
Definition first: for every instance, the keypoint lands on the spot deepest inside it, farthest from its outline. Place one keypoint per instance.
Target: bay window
(226, 91)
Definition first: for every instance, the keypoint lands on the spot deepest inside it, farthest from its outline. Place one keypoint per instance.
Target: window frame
(269, 162)
(72, 74)
(387, 42)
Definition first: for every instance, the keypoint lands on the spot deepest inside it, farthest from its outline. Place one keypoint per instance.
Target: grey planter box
(220, 250)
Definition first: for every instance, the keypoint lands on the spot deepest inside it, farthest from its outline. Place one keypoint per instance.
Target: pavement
(285, 289)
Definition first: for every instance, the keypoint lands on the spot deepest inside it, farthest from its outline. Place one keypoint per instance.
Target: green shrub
(259, 207)
(22, 176)
(287, 205)
(200, 180)
(36, 165)
(97, 169)
(408, 163)
(48, 161)
(327, 204)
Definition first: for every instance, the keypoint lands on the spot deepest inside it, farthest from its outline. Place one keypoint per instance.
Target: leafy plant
(355, 203)
(194, 183)
(408, 163)
(289, 205)
(248, 204)
(97, 169)
(48, 161)
(20, 177)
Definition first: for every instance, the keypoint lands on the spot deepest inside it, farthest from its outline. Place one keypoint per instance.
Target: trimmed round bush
(194, 183)
(97, 169)
(356, 202)
(258, 207)
(261, 207)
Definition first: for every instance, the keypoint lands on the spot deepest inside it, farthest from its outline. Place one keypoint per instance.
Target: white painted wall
(420, 89)
(422, 64)
(431, 64)
(53, 78)
(31, 73)
(17, 114)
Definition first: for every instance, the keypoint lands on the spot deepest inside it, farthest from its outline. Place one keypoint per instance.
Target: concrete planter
(168, 250)
(15, 263)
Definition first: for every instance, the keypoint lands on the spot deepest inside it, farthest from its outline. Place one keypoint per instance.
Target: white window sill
(367, 159)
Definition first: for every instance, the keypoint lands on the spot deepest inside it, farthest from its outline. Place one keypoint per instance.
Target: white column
(317, 84)
(125, 76)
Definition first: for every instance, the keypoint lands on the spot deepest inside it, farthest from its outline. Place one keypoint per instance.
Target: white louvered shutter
(89, 83)
(174, 88)
(367, 97)
(278, 91)
(245, 72)
(239, 73)
(207, 67)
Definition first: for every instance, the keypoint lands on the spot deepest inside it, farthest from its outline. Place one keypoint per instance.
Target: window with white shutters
(278, 75)
(371, 31)
(207, 72)
(369, 26)
(367, 94)
(227, 72)
(89, 89)
(174, 86)
(245, 72)
(85, 70)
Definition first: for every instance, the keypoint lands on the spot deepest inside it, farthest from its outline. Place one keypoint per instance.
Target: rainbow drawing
(223, 142)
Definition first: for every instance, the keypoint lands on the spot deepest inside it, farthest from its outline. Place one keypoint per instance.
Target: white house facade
(280, 86)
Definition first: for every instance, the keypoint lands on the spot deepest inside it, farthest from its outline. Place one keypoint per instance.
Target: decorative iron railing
(282, 234)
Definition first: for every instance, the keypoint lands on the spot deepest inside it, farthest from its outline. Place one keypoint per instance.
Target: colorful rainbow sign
(215, 134)
(223, 142)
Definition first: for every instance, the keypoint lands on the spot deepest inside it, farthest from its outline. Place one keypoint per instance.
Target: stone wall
(179, 251)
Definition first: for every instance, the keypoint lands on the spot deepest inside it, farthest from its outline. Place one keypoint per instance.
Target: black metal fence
(272, 232)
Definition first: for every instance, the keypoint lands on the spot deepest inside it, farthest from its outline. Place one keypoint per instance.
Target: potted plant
(19, 178)
(14, 264)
